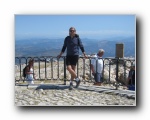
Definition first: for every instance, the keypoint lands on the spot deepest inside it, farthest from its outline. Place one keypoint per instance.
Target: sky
(87, 26)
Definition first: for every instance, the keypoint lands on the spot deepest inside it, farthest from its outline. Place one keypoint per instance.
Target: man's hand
(85, 55)
(59, 55)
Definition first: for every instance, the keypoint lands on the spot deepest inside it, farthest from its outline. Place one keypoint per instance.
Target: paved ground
(84, 95)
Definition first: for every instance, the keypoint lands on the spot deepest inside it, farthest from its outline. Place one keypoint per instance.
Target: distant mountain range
(52, 47)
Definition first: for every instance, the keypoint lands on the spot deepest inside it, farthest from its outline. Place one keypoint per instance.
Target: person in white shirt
(97, 66)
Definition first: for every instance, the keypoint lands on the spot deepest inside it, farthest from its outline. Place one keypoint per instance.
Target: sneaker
(97, 84)
(71, 86)
(78, 82)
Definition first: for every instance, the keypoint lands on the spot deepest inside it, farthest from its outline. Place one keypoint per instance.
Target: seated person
(131, 77)
(29, 72)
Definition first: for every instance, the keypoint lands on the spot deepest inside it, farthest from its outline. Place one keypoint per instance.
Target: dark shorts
(72, 60)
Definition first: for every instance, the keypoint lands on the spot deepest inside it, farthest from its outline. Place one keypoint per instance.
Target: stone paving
(84, 95)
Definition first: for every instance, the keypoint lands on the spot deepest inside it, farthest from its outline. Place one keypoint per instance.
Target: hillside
(52, 47)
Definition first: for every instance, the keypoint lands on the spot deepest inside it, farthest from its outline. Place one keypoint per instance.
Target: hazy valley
(52, 47)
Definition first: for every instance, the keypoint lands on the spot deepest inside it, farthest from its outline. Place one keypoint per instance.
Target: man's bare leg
(72, 72)
(73, 68)
(77, 79)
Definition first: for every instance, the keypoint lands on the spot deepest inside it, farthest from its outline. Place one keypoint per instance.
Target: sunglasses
(72, 30)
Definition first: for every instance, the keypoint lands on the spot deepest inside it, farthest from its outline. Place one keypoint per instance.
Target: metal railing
(52, 68)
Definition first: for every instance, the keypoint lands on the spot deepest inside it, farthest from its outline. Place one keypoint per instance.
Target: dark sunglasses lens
(71, 30)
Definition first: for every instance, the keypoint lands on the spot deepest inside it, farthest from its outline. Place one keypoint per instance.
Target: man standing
(72, 43)
(97, 67)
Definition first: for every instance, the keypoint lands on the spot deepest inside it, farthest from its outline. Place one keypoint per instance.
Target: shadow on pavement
(58, 87)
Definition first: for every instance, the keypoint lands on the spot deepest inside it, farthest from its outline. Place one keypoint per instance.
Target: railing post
(109, 70)
(52, 68)
(58, 68)
(64, 70)
(125, 71)
(117, 66)
(84, 69)
(96, 68)
(90, 69)
(39, 69)
(45, 69)
(20, 68)
(102, 75)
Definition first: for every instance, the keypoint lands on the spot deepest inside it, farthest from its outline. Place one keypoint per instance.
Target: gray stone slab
(109, 91)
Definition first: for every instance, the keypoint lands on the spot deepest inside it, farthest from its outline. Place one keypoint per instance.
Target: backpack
(76, 35)
(24, 71)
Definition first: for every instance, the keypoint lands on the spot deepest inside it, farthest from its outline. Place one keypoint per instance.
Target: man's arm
(63, 48)
(81, 45)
